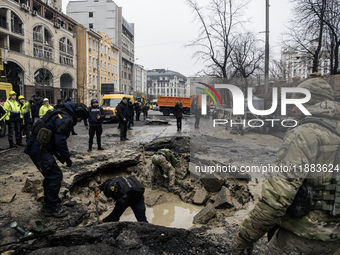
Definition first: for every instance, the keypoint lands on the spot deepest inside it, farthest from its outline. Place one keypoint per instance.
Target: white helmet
(46, 100)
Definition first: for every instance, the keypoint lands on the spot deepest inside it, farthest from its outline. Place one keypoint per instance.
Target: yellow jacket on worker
(12, 107)
(25, 111)
(45, 108)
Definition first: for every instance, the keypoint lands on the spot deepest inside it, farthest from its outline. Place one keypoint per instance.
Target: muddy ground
(225, 202)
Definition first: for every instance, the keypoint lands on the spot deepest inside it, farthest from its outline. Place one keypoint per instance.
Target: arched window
(66, 51)
(42, 43)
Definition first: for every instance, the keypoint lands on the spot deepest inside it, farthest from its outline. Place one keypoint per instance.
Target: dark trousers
(53, 176)
(14, 126)
(179, 123)
(137, 205)
(137, 115)
(197, 122)
(130, 119)
(145, 115)
(27, 129)
(123, 129)
(98, 131)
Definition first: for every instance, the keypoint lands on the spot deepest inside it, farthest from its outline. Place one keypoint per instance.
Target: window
(91, 14)
(90, 61)
(66, 51)
(91, 25)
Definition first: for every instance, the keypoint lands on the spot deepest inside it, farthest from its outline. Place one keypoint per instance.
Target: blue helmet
(94, 101)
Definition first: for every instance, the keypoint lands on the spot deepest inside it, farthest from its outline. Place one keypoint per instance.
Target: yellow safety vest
(12, 107)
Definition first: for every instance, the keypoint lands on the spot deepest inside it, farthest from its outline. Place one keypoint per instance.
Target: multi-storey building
(297, 62)
(88, 52)
(166, 83)
(140, 79)
(109, 61)
(39, 46)
(105, 16)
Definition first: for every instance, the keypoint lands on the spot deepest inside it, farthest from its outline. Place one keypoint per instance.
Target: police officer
(123, 115)
(25, 116)
(127, 192)
(42, 154)
(96, 118)
(164, 159)
(12, 107)
(300, 230)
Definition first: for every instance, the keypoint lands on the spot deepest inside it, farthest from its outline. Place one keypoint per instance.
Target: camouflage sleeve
(300, 147)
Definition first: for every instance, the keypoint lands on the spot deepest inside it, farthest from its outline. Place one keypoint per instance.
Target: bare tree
(276, 70)
(226, 54)
(332, 21)
(246, 57)
(220, 23)
(307, 29)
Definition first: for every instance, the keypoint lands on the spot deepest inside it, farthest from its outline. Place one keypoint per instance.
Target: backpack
(41, 131)
(303, 201)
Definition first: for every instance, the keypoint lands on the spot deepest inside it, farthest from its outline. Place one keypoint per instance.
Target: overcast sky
(163, 27)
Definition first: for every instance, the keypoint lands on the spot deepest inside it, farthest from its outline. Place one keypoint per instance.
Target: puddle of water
(173, 214)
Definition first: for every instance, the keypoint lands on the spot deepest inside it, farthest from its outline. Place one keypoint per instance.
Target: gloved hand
(69, 163)
(100, 221)
(241, 245)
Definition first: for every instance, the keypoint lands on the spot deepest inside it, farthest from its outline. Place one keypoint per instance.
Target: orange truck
(167, 104)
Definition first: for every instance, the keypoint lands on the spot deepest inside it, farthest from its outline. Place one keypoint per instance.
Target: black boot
(90, 148)
(11, 145)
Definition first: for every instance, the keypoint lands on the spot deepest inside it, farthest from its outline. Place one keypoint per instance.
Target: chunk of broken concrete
(223, 200)
(8, 198)
(200, 197)
(32, 185)
(205, 215)
(212, 184)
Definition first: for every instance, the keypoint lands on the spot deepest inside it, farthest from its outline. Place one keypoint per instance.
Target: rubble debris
(155, 122)
(200, 197)
(223, 200)
(8, 198)
(205, 214)
(213, 184)
(33, 185)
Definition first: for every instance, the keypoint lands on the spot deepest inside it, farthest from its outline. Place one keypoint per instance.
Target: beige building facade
(109, 63)
(88, 52)
(39, 49)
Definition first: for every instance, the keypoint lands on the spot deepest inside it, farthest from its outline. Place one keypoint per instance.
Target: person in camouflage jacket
(306, 145)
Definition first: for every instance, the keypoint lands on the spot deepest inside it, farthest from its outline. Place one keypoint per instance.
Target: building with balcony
(105, 16)
(38, 45)
(166, 83)
(297, 62)
(88, 74)
(109, 61)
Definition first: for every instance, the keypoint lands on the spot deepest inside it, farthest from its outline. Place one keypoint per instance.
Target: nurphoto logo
(239, 104)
